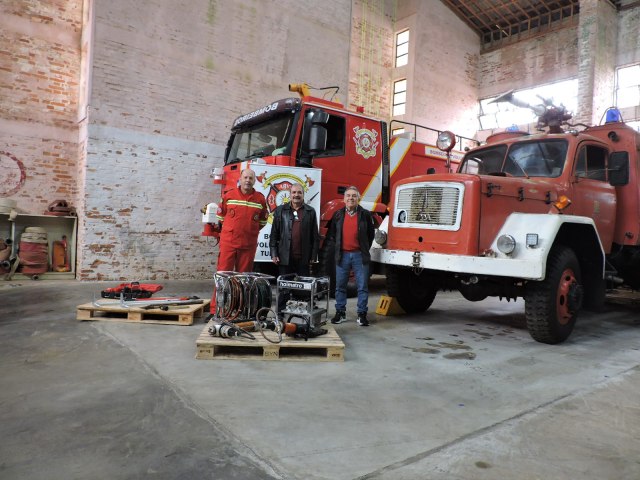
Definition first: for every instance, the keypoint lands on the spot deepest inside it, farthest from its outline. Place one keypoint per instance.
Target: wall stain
(211, 12)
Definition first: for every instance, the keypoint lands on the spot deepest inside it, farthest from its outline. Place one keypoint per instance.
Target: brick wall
(628, 41)
(371, 56)
(545, 58)
(168, 79)
(39, 65)
(445, 89)
(596, 63)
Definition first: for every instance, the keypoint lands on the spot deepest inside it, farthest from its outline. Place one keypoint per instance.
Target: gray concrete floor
(459, 393)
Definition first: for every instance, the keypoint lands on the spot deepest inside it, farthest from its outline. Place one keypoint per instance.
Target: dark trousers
(295, 266)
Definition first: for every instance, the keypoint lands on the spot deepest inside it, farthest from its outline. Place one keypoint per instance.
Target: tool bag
(131, 290)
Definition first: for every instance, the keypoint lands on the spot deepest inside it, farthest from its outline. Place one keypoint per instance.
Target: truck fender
(578, 233)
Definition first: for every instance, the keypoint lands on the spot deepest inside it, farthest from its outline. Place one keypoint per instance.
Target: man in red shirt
(351, 231)
(242, 213)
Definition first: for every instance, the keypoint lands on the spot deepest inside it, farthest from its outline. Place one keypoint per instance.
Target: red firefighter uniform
(243, 215)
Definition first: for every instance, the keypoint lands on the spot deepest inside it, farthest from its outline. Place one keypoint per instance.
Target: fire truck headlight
(532, 240)
(380, 237)
(446, 141)
(506, 244)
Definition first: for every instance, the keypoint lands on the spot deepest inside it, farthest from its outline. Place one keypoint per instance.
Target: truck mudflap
(534, 235)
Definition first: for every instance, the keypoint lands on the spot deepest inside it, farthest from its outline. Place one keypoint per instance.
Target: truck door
(331, 159)
(592, 196)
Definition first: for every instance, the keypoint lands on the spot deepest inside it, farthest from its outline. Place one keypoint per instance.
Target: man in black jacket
(351, 231)
(294, 237)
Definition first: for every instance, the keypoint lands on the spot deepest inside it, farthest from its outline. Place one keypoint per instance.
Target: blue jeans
(352, 261)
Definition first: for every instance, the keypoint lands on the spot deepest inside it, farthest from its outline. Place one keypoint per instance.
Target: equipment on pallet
(303, 310)
(228, 330)
(131, 290)
(243, 303)
(144, 304)
(239, 296)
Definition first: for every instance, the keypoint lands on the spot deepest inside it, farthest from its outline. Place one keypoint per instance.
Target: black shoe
(339, 317)
(362, 320)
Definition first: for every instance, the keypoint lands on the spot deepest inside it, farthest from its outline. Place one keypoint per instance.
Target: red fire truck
(349, 147)
(550, 217)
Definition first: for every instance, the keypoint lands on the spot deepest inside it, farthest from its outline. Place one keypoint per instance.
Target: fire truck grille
(430, 205)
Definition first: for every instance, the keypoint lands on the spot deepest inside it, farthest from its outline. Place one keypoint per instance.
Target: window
(402, 48)
(504, 114)
(261, 139)
(591, 163)
(628, 86)
(335, 137)
(399, 97)
(536, 159)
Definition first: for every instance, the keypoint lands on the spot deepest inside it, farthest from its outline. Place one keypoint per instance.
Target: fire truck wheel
(415, 293)
(552, 305)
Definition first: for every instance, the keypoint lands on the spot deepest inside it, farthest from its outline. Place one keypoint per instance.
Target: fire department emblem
(366, 142)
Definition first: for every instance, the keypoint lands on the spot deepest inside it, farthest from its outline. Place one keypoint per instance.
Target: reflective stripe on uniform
(244, 203)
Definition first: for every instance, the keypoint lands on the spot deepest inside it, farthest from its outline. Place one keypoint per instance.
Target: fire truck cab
(548, 217)
(349, 147)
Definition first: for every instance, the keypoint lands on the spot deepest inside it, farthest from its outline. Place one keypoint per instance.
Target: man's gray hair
(353, 188)
(296, 184)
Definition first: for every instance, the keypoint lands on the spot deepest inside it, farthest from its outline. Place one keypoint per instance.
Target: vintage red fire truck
(349, 147)
(548, 217)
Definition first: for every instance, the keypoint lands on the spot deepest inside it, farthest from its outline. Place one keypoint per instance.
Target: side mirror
(314, 139)
(619, 169)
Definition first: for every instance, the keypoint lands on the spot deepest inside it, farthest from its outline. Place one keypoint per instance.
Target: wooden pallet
(176, 315)
(325, 348)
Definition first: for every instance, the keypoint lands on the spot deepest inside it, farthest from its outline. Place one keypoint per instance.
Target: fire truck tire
(552, 305)
(414, 293)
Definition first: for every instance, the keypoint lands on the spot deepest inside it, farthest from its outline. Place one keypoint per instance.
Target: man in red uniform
(242, 213)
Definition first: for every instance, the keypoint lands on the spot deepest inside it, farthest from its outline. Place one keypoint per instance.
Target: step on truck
(553, 218)
(347, 146)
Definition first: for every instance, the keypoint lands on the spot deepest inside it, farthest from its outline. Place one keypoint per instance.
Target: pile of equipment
(243, 305)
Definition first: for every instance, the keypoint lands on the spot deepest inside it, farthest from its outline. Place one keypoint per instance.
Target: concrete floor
(461, 393)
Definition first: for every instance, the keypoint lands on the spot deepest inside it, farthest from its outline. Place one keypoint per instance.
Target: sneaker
(339, 317)
(362, 320)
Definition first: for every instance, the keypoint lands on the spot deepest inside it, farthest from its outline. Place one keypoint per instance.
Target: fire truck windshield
(542, 158)
(270, 137)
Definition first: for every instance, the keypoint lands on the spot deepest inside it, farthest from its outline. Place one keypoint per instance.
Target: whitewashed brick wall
(168, 79)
